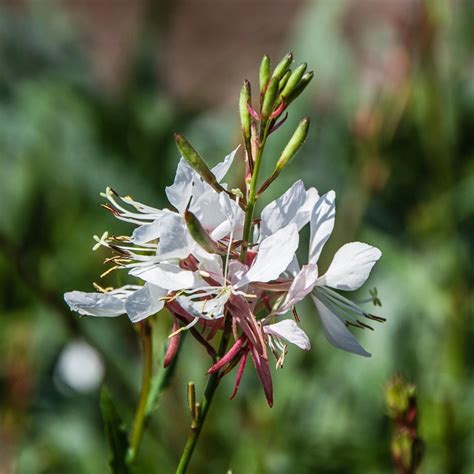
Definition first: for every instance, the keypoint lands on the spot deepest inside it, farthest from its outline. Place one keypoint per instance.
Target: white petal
(336, 332)
(302, 285)
(167, 276)
(234, 219)
(206, 207)
(290, 331)
(236, 271)
(293, 206)
(148, 232)
(274, 255)
(221, 169)
(350, 266)
(175, 241)
(294, 267)
(180, 191)
(212, 264)
(322, 224)
(211, 308)
(144, 302)
(95, 304)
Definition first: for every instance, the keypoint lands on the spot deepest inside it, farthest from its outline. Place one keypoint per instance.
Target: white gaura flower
(162, 239)
(348, 271)
(138, 302)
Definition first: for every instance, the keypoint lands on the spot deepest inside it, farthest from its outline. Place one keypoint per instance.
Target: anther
(379, 319)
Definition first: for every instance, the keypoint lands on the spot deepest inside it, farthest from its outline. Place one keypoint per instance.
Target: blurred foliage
(393, 108)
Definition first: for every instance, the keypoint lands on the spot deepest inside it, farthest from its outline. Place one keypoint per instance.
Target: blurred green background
(90, 95)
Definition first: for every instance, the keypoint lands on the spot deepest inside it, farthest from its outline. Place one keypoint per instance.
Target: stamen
(365, 325)
(184, 328)
(101, 289)
(379, 319)
(110, 270)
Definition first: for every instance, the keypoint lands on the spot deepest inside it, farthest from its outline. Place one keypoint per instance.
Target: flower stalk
(200, 410)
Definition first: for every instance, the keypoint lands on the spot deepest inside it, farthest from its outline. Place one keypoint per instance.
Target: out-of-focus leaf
(115, 432)
(162, 379)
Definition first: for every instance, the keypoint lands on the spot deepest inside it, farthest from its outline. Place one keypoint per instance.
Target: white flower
(348, 271)
(159, 244)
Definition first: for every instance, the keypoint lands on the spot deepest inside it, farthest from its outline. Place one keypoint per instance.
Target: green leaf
(116, 433)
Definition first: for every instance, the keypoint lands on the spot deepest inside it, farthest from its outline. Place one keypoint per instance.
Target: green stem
(214, 378)
(206, 401)
(138, 422)
(252, 196)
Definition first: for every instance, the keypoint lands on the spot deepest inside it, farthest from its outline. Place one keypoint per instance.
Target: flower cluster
(190, 259)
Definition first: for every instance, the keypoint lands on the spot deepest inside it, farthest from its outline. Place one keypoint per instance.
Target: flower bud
(295, 143)
(294, 80)
(300, 87)
(283, 66)
(284, 80)
(194, 159)
(270, 98)
(264, 75)
(245, 98)
(401, 447)
(199, 234)
(398, 396)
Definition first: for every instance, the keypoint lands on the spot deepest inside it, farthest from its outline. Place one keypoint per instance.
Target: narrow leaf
(116, 434)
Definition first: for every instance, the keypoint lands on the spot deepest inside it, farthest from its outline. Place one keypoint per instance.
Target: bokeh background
(91, 92)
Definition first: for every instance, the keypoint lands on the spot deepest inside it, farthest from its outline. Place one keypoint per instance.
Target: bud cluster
(407, 447)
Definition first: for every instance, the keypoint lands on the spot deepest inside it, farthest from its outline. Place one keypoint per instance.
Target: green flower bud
(264, 75)
(199, 234)
(270, 98)
(284, 80)
(398, 394)
(283, 66)
(402, 449)
(301, 86)
(295, 143)
(194, 159)
(245, 98)
(294, 80)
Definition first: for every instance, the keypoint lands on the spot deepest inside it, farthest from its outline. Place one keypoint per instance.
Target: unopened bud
(245, 99)
(284, 80)
(283, 66)
(199, 234)
(301, 86)
(194, 159)
(398, 396)
(270, 98)
(264, 75)
(402, 450)
(294, 80)
(295, 143)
